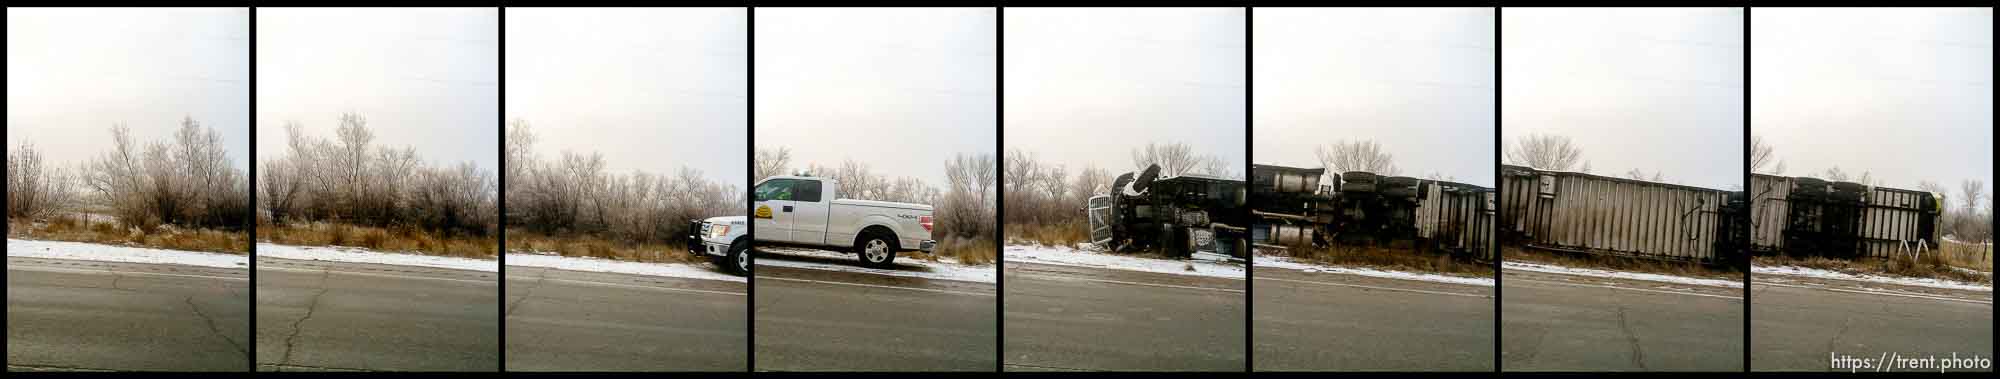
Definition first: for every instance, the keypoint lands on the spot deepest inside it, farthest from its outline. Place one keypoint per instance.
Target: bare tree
(1345, 156)
(34, 188)
(771, 163)
(1176, 159)
(1763, 154)
(1638, 174)
(1547, 152)
(1971, 190)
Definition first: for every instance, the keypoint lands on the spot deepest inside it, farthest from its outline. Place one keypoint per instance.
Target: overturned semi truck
(1584, 213)
(1816, 218)
(1181, 215)
(1291, 207)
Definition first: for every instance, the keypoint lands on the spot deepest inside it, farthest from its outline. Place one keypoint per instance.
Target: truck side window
(807, 191)
(779, 189)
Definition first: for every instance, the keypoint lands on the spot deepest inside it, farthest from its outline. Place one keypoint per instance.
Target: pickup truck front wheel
(738, 260)
(876, 250)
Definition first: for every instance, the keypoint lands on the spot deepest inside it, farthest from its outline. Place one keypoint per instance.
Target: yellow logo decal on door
(763, 211)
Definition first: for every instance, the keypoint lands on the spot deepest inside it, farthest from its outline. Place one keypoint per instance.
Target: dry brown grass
(1969, 256)
(396, 239)
(1618, 263)
(1932, 265)
(1059, 234)
(971, 251)
(77, 229)
(1400, 255)
(521, 241)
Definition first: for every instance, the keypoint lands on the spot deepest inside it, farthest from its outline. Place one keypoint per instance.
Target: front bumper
(716, 249)
(699, 246)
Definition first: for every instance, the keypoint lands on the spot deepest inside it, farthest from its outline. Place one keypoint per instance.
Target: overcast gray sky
(1085, 86)
(653, 89)
(427, 78)
(1654, 89)
(1904, 94)
(74, 72)
(1417, 80)
(900, 89)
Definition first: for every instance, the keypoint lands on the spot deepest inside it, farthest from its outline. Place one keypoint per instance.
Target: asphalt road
(1556, 322)
(1799, 329)
(816, 320)
(65, 315)
(324, 316)
(1065, 318)
(583, 321)
(1334, 322)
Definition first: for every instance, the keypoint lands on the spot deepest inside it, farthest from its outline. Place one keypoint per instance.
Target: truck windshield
(775, 189)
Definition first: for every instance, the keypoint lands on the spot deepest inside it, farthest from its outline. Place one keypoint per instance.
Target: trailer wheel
(875, 249)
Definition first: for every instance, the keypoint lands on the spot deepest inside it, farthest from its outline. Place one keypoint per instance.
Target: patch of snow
(123, 254)
(360, 255)
(1897, 280)
(677, 270)
(1553, 269)
(946, 268)
(1288, 263)
(1066, 256)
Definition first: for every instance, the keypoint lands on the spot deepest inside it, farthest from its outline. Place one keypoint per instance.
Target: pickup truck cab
(808, 212)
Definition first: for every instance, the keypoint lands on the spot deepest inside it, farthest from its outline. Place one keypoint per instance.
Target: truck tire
(876, 249)
(738, 260)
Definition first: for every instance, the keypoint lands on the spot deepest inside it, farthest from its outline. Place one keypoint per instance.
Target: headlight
(718, 231)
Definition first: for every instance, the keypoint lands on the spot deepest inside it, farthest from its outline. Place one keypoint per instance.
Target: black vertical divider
(1746, 187)
(1249, 155)
(501, 260)
(250, 355)
(749, 193)
(1000, 202)
(1500, 192)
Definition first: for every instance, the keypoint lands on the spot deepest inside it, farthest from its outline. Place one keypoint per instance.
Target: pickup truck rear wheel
(876, 250)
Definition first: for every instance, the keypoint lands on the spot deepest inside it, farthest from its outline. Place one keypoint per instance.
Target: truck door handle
(788, 209)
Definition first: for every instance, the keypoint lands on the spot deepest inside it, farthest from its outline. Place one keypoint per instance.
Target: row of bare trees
(187, 180)
(964, 208)
(1041, 192)
(350, 179)
(574, 194)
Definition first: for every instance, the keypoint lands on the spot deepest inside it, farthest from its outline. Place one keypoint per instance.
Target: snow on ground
(677, 270)
(1066, 256)
(359, 255)
(1553, 269)
(1896, 280)
(946, 268)
(1287, 263)
(124, 254)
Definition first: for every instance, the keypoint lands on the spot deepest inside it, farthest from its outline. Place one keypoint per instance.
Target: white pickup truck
(807, 212)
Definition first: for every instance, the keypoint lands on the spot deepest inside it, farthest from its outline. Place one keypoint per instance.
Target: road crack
(543, 277)
(1638, 354)
(290, 339)
(1845, 322)
(213, 329)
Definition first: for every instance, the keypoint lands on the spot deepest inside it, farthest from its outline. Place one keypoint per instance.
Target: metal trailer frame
(1812, 217)
(1578, 212)
(1291, 207)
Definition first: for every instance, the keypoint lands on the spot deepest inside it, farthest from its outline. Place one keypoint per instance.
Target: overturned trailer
(1812, 217)
(1182, 215)
(1578, 212)
(1291, 207)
